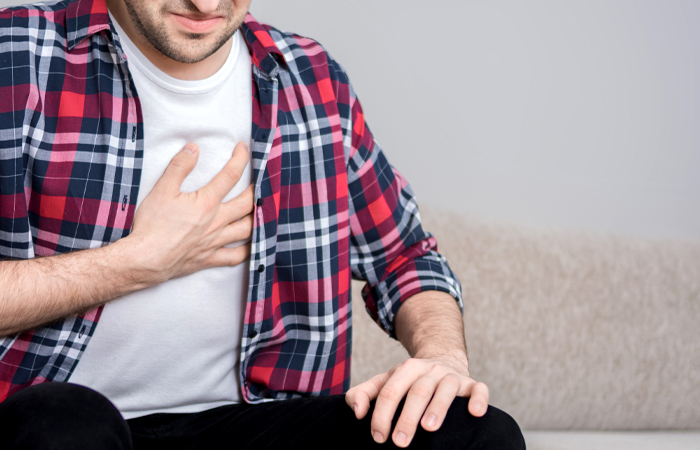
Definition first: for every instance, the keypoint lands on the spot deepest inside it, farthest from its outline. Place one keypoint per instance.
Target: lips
(198, 25)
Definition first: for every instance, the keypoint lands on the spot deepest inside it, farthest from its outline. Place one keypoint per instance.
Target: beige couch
(590, 341)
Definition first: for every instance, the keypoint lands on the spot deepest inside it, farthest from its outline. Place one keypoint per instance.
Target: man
(219, 285)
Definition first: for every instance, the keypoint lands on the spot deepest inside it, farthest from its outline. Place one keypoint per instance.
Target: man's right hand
(177, 233)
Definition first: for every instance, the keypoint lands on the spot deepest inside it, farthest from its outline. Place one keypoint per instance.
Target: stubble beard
(153, 28)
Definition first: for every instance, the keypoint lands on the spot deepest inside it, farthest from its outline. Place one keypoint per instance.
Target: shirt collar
(87, 17)
(263, 50)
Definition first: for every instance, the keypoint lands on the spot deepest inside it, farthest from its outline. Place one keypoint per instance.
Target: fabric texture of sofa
(589, 340)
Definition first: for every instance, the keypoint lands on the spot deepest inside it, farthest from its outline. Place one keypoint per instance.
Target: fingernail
(354, 408)
(378, 437)
(477, 406)
(400, 438)
(189, 148)
(432, 420)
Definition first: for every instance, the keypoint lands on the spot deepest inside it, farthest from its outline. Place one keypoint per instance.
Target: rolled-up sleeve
(389, 248)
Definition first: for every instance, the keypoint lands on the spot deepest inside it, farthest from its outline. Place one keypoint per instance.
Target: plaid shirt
(329, 205)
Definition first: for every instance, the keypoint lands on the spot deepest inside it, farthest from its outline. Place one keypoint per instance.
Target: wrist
(458, 355)
(133, 261)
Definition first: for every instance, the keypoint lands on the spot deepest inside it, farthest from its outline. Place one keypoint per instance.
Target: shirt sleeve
(16, 88)
(389, 248)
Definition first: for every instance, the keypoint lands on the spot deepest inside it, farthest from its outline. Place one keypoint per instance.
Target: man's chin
(192, 48)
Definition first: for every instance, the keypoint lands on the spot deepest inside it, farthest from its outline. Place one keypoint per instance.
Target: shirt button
(252, 334)
(261, 268)
(260, 202)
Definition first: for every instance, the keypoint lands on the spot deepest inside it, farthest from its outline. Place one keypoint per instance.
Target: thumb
(178, 169)
(359, 397)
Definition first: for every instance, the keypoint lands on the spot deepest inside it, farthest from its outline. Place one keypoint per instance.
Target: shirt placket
(262, 259)
(130, 145)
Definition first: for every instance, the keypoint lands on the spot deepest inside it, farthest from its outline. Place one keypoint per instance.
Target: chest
(84, 162)
(214, 114)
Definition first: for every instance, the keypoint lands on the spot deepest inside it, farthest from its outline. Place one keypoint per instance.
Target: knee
(496, 430)
(62, 415)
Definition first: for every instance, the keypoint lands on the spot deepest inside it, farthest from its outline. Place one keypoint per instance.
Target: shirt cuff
(429, 272)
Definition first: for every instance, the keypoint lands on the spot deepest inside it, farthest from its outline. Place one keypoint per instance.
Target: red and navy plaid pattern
(329, 205)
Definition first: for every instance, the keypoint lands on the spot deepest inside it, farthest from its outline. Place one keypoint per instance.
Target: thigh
(319, 423)
(61, 416)
(308, 423)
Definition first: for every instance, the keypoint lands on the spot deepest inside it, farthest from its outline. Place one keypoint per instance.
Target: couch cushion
(570, 330)
(606, 440)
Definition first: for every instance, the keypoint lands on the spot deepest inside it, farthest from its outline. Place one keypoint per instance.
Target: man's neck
(183, 71)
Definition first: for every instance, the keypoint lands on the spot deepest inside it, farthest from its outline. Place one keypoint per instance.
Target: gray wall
(574, 114)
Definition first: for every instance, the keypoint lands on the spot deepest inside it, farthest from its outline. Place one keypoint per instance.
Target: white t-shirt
(175, 347)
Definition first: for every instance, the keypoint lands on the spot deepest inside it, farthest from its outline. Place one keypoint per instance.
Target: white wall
(575, 114)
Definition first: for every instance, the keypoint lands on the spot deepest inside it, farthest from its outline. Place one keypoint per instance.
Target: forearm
(41, 290)
(173, 234)
(429, 324)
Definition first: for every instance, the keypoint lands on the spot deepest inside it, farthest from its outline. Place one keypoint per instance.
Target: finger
(479, 399)
(229, 257)
(179, 167)
(239, 230)
(417, 400)
(237, 207)
(446, 391)
(359, 397)
(389, 397)
(232, 172)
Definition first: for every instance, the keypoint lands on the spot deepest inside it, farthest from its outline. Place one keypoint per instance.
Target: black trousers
(67, 416)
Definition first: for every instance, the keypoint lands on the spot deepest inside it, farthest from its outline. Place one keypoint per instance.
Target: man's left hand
(429, 385)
